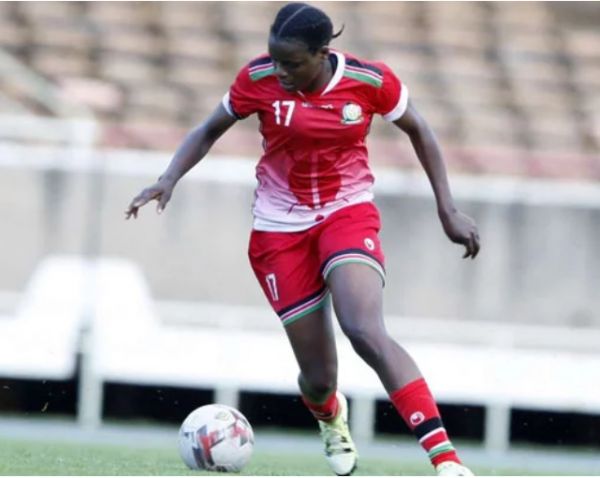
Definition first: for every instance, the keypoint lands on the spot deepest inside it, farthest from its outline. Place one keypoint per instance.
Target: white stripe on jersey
(314, 181)
(339, 72)
(400, 108)
(227, 105)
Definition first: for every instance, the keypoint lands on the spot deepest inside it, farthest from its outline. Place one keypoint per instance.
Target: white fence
(127, 343)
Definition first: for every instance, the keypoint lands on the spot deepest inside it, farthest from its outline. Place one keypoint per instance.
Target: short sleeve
(392, 97)
(239, 101)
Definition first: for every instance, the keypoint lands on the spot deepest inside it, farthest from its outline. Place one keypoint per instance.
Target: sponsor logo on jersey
(369, 243)
(352, 114)
(306, 104)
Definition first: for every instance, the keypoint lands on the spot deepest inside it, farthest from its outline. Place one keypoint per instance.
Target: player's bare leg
(313, 341)
(357, 292)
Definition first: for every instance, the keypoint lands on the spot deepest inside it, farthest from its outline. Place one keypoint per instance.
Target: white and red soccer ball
(216, 438)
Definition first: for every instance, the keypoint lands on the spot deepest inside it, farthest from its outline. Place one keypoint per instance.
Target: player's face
(297, 69)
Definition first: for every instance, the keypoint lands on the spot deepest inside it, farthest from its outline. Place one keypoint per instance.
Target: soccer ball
(216, 438)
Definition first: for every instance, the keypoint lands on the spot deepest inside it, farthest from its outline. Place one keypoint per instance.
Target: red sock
(416, 405)
(325, 411)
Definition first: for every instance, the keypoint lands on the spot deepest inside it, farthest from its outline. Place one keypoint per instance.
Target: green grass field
(50, 458)
(41, 458)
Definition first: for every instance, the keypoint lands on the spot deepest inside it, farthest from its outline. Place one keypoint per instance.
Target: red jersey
(315, 159)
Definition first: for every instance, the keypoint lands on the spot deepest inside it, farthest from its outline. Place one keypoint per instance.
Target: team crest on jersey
(352, 114)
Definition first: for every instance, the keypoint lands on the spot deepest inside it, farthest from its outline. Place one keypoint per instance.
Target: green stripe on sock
(439, 450)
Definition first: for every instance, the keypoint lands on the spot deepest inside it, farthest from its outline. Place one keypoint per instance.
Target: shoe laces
(335, 435)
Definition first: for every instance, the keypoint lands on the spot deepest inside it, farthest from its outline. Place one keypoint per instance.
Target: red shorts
(292, 267)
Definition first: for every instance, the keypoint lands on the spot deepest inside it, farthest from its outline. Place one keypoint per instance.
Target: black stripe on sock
(428, 426)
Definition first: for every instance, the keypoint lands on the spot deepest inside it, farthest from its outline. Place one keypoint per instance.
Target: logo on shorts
(369, 244)
(352, 114)
(272, 285)
(417, 418)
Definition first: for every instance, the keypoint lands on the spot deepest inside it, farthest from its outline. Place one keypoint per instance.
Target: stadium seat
(483, 126)
(47, 322)
(128, 69)
(66, 35)
(14, 38)
(160, 101)
(199, 17)
(194, 46)
(461, 15)
(455, 40)
(41, 13)
(522, 15)
(584, 44)
(198, 76)
(137, 42)
(123, 14)
(59, 64)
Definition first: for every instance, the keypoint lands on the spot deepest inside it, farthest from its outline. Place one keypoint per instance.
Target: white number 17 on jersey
(290, 111)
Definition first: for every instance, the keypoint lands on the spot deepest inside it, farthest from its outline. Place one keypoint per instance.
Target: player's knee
(367, 343)
(320, 381)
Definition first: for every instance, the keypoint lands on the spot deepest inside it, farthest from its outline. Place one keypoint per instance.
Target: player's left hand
(461, 229)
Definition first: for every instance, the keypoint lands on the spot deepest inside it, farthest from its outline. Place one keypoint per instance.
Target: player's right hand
(461, 229)
(160, 191)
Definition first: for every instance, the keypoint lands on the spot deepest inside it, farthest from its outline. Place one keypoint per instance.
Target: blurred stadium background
(103, 319)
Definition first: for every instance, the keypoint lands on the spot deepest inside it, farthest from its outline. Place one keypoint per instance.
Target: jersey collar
(339, 72)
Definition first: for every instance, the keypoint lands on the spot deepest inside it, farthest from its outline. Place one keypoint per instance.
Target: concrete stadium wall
(539, 263)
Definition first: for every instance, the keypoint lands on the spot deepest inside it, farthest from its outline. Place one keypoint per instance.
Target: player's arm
(194, 147)
(459, 227)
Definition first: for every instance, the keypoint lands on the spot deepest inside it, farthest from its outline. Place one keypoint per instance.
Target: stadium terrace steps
(543, 63)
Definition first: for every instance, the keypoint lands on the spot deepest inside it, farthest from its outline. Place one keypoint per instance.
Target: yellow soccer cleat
(340, 451)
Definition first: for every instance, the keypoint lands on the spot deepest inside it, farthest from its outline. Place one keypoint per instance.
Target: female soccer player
(315, 231)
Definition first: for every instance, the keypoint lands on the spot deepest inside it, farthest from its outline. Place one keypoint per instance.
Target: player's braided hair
(305, 23)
